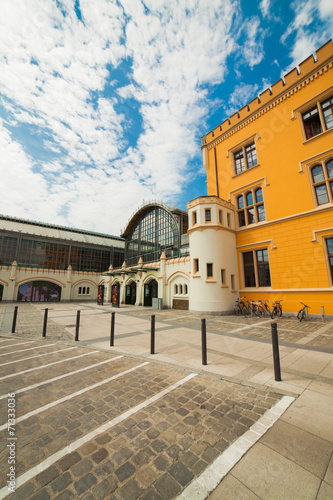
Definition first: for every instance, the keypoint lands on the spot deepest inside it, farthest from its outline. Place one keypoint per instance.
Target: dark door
(1, 291)
(130, 294)
(150, 291)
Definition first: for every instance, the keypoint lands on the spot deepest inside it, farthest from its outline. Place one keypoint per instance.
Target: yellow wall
(298, 264)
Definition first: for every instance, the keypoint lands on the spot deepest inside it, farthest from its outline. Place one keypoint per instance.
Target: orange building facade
(273, 161)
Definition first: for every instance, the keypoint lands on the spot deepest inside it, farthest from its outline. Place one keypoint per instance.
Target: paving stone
(41, 495)
(81, 467)
(122, 455)
(167, 487)
(99, 455)
(181, 473)
(131, 490)
(125, 471)
(105, 488)
(61, 482)
(69, 460)
(47, 476)
(85, 483)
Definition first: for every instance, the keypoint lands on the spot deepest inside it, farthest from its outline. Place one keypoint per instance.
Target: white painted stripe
(54, 379)
(6, 340)
(37, 356)
(20, 343)
(24, 350)
(45, 464)
(49, 364)
(71, 396)
(203, 485)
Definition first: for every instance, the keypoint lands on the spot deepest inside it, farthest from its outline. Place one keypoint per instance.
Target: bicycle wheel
(273, 313)
(246, 311)
(301, 315)
(258, 312)
(279, 312)
(237, 310)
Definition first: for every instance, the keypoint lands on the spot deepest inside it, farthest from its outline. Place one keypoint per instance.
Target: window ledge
(247, 170)
(224, 286)
(306, 141)
(196, 275)
(210, 280)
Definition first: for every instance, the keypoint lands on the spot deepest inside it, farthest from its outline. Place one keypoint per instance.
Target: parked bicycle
(240, 306)
(304, 312)
(265, 307)
(255, 308)
(277, 309)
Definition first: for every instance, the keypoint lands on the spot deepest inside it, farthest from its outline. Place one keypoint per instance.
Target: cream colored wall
(213, 243)
(12, 277)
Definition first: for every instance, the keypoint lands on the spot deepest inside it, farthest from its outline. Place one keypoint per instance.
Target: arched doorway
(130, 293)
(39, 291)
(150, 292)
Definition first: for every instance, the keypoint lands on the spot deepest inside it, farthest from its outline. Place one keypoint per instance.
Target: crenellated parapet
(294, 81)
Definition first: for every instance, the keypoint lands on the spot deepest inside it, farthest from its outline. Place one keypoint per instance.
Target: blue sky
(103, 103)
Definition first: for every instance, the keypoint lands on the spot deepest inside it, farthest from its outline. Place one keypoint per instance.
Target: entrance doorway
(151, 292)
(130, 293)
(39, 291)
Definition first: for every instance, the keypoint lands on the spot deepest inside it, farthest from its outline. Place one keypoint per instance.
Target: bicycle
(240, 306)
(277, 309)
(265, 307)
(255, 308)
(303, 313)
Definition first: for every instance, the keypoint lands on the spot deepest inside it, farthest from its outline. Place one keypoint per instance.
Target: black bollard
(152, 335)
(204, 341)
(14, 319)
(77, 328)
(276, 356)
(112, 329)
(45, 322)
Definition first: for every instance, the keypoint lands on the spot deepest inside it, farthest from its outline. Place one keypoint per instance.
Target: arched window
(181, 289)
(176, 289)
(185, 289)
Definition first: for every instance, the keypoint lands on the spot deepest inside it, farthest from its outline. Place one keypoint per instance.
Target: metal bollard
(204, 341)
(112, 329)
(77, 327)
(14, 319)
(45, 322)
(152, 335)
(276, 356)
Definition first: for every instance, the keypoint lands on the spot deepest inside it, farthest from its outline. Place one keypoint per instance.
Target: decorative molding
(316, 232)
(267, 107)
(258, 243)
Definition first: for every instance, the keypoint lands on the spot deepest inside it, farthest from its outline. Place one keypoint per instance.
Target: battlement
(291, 79)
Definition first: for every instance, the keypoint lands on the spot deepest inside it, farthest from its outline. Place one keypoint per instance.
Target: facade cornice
(275, 101)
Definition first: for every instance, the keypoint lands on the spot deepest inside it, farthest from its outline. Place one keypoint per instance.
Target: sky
(103, 103)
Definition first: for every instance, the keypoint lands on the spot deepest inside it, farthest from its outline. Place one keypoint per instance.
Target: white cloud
(264, 6)
(242, 94)
(306, 38)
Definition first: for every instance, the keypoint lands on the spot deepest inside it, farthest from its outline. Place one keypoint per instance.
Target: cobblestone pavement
(93, 425)
(314, 333)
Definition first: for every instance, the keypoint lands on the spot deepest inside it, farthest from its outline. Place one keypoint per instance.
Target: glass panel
(240, 202)
(249, 199)
(250, 216)
(239, 161)
(329, 167)
(312, 123)
(248, 257)
(251, 155)
(318, 174)
(259, 197)
(327, 107)
(241, 218)
(261, 213)
(330, 246)
(322, 196)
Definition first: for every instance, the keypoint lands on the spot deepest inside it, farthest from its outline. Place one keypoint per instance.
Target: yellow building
(273, 161)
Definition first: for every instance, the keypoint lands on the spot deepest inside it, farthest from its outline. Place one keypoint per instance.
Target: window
(176, 289)
(194, 218)
(250, 207)
(181, 289)
(256, 268)
(195, 266)
(245, 158)
(228, 220)
(207, 215)
(185, 289)
(329, 243)
(322, 179)
(232, 280)
(84, 290)
(209, 270)
(318, 119)
(223, 275)
(220, 217)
